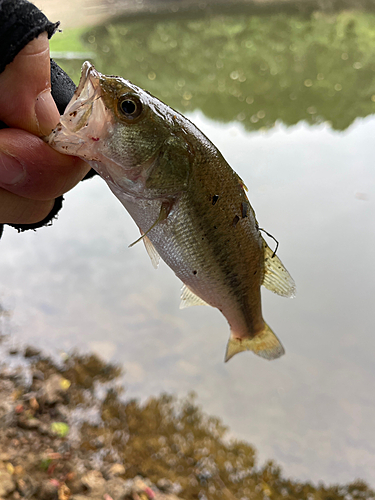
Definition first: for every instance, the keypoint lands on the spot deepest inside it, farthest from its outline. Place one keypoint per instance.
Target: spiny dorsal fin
(152, 252)
(276, 278)
(241, 182)
(264, 344)
(188, 298)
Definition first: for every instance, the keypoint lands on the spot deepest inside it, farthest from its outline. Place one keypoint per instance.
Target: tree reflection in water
(252, 69)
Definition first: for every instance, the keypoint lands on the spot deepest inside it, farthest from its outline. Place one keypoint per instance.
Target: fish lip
(81, 105)
(88, 71)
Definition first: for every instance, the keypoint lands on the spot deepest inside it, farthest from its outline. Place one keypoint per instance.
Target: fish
(190, 206)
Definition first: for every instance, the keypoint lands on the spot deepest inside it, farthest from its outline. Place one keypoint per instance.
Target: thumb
(25, 90)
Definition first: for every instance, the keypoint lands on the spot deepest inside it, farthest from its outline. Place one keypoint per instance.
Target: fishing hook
(270, 235)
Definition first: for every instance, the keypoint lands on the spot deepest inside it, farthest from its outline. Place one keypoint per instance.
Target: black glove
(21, 22)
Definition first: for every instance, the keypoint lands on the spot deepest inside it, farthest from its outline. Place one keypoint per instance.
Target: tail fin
(264, 344)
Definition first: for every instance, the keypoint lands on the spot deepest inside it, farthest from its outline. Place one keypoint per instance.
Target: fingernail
(46, 112)
(11, 170)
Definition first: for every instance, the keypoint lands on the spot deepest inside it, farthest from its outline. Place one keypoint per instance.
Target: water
(304, 146)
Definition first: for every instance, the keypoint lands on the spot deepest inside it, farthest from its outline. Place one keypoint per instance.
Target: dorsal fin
(188, 298)
(152, 252)
(276, 278)
(241, 182)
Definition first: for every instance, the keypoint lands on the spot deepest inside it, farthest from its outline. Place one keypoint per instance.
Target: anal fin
(264, 344)
(189, 298)
(276, 278)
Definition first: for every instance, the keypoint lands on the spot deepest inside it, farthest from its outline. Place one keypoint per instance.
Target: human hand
(32, 174)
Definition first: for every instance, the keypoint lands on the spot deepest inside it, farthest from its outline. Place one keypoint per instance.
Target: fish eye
(130, 107)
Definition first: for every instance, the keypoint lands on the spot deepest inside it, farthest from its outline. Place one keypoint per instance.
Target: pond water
(290, 103)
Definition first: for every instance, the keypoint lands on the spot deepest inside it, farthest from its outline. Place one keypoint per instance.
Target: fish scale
(190, 206)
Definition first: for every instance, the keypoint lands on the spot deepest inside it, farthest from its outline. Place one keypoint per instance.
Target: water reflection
(252, 69)
(76, 419)
(76, 284)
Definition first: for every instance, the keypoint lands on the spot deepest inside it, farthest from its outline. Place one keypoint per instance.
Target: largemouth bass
(190, 206)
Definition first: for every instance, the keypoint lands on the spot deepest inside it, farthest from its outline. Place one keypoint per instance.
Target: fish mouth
(85, 117)
(81, 106)
(88, 74)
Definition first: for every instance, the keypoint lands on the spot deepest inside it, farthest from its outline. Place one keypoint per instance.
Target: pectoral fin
(151, 250)
(264, 344)
(276, 278)
(188, 298)
(164, 212)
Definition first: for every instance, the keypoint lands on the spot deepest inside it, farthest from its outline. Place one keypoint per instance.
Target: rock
(142, 486)
(19, 409)
(7, 484)
(26, 486)
(34, 405)
(6, 413)
(118, 489)
(18, 470)
(116, 470)
(53, 389)
(30, 352)
(9, 373)
(165, 485)
(28, 423)
(45, 430)
(84, 497)
(94, 482)
(7, 404)
(37, 375)
(99, 442)
(64, 492)
(76, 486)
(11, 432)
(48, 490)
